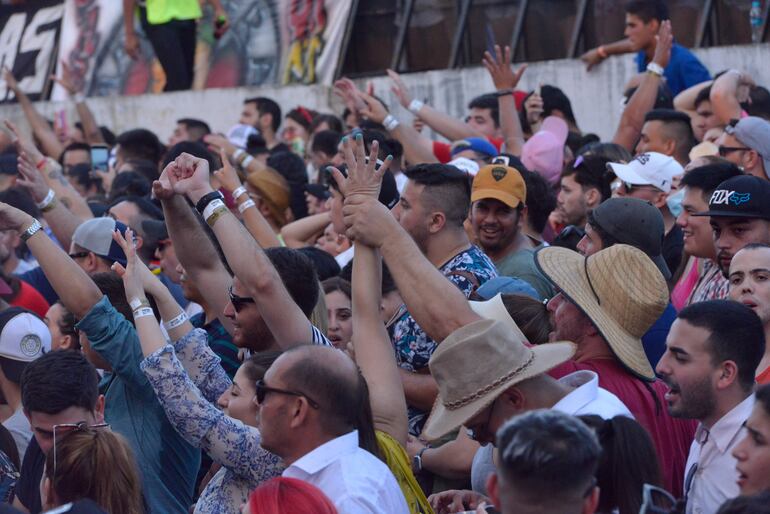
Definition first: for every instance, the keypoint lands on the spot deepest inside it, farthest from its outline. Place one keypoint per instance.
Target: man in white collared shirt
(310, 402)
(712, 353)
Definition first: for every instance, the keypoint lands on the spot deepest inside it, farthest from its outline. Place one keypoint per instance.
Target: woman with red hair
(288, 495)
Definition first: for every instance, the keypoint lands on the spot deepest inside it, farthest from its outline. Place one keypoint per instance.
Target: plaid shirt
(712, 284)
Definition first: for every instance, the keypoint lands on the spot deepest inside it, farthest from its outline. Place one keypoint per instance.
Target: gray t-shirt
(18, 426)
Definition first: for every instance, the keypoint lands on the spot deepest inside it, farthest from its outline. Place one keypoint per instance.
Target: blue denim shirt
(683, 70)
(167, 463)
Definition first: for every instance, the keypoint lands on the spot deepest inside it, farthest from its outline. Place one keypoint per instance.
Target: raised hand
(189, 175)
(367, 221)
(31, 179)
(218, 142)
(161, 188)
(12, 218)
(399, 89)
(533, 106)
(500, 69)
(591, 58)
(10, 80)
(665, 40)
(373, 110)
(68, 80)
(227, 175)
(364, 178)
(137, 277)
(349, 93)
(24, 144)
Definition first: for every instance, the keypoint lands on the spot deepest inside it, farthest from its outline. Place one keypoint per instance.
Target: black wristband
(207, 199)
(504, 92)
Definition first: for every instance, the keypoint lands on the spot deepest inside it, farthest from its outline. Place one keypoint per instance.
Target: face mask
(674, 203)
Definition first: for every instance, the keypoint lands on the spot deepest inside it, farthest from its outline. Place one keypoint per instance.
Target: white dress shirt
(715, 480)
(588, 398)
(356, 481)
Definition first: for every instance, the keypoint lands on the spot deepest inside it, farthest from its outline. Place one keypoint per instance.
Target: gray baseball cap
(755, 133)
(637, 223)
(95, 235)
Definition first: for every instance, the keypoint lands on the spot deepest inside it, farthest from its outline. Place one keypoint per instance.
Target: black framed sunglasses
(724, 151)
(79, 255)
(63, 429)
(263, 389)
(239, 302)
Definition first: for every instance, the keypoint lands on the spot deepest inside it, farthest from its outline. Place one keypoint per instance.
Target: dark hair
(257, 365)
(487, 101)
(548, 457)
(82, 175)
(541, 200)
(325, 265)
(612, 152)
(292, 167)
(72, 147)
(20, 198)
(67, 326)
(107, 135)
(195, 128)
(757, 504)
(333, 284)
(129, 184)
(8, 447)
(147, 169)
(530, 315)
(326, 141)
(628, 462)
(704, 95)
(759, 104)
(388, 285)
(298, 275)
(676, 126)
(590, 172)
(302, 116)
(763, 397)
(111, 286)
(708, 177)
(663, 100)
(267, 106)
(193, 148)
(335, 125)
(555, 99)
(736, 334)
(648, 10)
(140, 144)
(57, 381)
(447, 190)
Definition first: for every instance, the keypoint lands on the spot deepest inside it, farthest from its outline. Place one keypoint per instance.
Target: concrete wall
(595, 96)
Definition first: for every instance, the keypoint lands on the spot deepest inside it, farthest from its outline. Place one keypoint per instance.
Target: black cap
(744, 196)
(320, 191)
(637, 223)
(389, 196)
(9, 164)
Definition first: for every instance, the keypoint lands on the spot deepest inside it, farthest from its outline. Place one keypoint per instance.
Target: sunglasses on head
(238, 302)
(64, 429)
(629, 187)
(263, 389)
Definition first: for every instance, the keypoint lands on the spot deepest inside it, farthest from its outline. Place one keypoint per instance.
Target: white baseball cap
(649, 168)
(23, 338)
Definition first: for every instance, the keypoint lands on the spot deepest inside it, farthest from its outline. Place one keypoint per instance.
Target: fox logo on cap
(726, 197)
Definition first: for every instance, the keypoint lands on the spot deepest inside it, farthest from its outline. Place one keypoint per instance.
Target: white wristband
(79, 97)
(176, 322)
(142, 312)
(415, 106)
(655, 68)
(136, 303)
(237, 154)
(246, 205)
(211, 207)
(47, 200)
(390, 122)
(240, 190)
(246, 161)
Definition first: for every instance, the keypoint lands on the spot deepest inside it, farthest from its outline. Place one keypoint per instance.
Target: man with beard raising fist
(712, 353)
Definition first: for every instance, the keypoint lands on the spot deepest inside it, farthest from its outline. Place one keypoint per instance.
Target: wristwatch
(417, 460)
(31, 230)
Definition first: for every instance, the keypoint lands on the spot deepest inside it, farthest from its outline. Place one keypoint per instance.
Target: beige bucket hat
(619, 288)
(476, 363)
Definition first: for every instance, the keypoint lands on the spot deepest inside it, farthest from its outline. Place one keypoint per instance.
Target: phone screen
(99, 157)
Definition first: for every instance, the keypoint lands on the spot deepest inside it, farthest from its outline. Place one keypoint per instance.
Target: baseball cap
(95, 235)
(637, 223)
(477, 144)
(544, 151)
(506, 285)
(464, 164)
(23, 338)
(755, 133)
(320, 191)
(649, 168)
(155, 229)
(501, 183)
(744, 196)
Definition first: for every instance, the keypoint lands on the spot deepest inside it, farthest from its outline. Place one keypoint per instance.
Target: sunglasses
(263, 389)
(659, 501)
(724, 151)
(239, 302)
(64, 429)
(616, 184)
(79, 255)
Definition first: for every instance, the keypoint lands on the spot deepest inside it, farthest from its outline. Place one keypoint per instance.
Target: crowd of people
(333, 313)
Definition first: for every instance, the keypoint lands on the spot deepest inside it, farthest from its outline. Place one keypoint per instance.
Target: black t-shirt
(673, 246)
(28, 486)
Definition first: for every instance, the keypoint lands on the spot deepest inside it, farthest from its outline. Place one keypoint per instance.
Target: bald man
(309, 405)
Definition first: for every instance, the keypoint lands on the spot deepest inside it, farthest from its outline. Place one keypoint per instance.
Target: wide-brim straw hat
(476, 363)
(619, 288)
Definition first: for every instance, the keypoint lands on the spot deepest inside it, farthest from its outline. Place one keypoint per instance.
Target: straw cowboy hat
(619, 288)
(476, 363)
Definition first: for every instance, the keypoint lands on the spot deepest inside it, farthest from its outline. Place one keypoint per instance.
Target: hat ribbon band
(481, 392)
(588, 277)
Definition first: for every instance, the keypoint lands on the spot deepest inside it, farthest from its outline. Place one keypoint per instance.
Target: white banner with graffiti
(269, 42)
